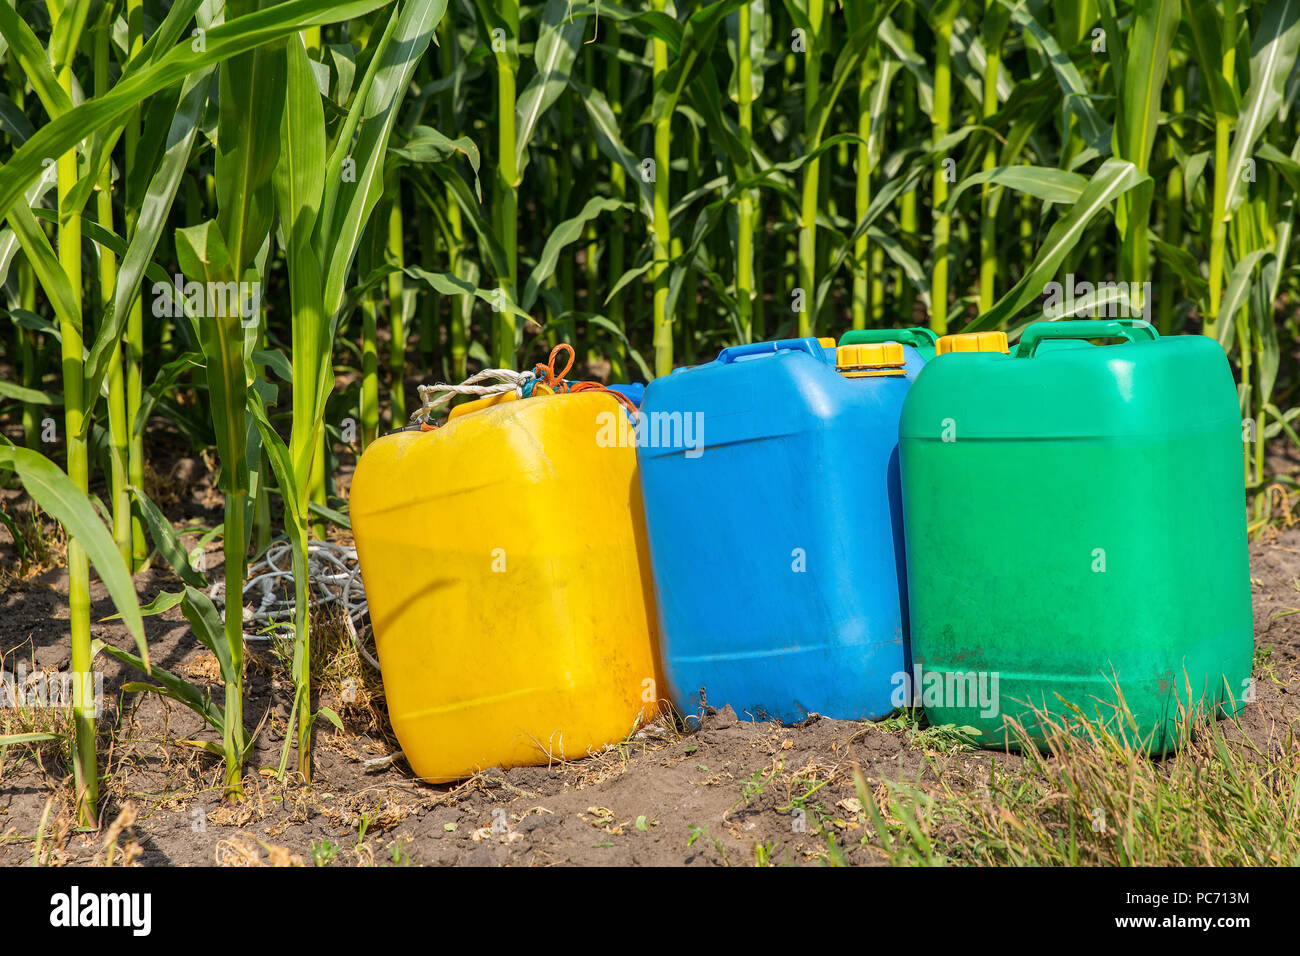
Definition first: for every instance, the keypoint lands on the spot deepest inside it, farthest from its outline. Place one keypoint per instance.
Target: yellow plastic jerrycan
(506, 568)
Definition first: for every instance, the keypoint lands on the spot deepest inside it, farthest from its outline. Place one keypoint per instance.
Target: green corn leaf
(564, 234)
(209, 628)
(1149, 43)
(1110, 29)
(14, 121)
(1042, 182)
(610, 142)
(1114, 178)
(559, 36)
(627, 278)
(8, 740)
(276, 361)
(1286, 166)
(111, 110)
(1205, 27)
(896, 251)
(648, 24)
(704, 92)
(464, 197)
(329, 714)
(1077, 96)
(900, 44)
(697, 39)
(343, 220)
(251, 99)
(37, 323)
(341, 153)
(427, 145)
(167, 376)
(65, 300)
(1237, 293)
(330, 514)
(1184, 264)
(169, 685)
(281, 465)
(169, 31)
(58, 495)
(299, 188)
(164, 602)
(27, 52)
(847, 63)
(67, 33)
(448, 284)
(110, 241)
(1268, 353)
(148, 230)
(28, 395)
(165, 539)
(1274, 52)
(204, 258)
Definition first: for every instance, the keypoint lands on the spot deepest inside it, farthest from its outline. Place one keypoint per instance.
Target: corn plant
(88, 131)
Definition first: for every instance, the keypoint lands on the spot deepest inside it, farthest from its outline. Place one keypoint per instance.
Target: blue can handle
(1131, 329)
(809, 345)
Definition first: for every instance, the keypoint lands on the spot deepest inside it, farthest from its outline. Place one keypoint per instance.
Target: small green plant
(918, 731)
(363, 824)
(399, 852)
(324, 851)
(905, 842)
(835, 855)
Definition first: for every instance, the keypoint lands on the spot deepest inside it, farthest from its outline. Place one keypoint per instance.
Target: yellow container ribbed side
(506, 568)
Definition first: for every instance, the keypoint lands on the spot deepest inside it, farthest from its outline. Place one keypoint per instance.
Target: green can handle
(1133, 330)
(916, 337)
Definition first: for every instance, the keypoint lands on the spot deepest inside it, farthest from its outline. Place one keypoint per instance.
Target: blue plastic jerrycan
(771, 489)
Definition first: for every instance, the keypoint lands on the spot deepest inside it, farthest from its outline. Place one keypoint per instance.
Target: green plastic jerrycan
(921, 339)
(1075, 531)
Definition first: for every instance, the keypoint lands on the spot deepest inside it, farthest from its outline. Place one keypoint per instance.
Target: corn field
(260, 225)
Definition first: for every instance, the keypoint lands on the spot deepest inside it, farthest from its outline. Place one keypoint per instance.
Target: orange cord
(597, 387)
(546, 373)
(550, 382)
(554, 382)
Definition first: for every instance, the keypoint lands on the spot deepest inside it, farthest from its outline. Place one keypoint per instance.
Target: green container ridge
(1074, 524)
(921, 339)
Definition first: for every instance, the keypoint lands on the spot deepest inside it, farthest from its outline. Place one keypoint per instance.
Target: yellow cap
(870, 359)
(972, 342)
(826, 342)
(486, 401)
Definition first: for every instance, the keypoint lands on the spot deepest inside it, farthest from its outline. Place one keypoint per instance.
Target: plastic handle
(1130, 329)
(917, 338)
(809, 345)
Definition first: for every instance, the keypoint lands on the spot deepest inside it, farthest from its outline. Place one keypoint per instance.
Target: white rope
(333, 573)
(433, 396)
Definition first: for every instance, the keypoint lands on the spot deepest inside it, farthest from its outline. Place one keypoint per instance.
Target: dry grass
(39, 543)
(25, 715)
(1087, 798)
